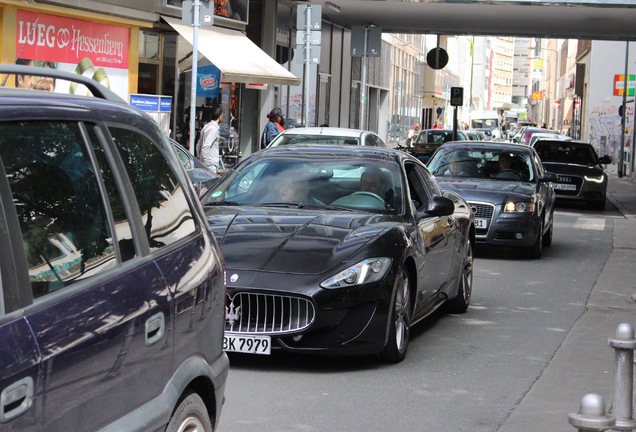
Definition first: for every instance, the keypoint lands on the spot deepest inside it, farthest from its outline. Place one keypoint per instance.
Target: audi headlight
(599, 179)
(519, 207)
(366, 271)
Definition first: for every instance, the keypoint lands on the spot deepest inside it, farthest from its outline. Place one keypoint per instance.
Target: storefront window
(147, 83)
(148, 45)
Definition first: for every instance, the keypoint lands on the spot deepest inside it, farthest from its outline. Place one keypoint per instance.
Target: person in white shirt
(208, 145)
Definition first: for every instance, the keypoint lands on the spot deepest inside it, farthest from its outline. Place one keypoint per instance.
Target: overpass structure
(597, 20)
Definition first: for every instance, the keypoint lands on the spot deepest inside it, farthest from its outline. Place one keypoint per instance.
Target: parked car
(547, 135)
(348, 247)
(429, 140)
(474, 135)
(328, 135)
(487, 133)
(200, 176)
(526, 132)
(112, 286)
(506, 186)
(580, 172)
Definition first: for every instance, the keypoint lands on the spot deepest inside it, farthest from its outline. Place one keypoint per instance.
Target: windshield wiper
(221, 203)
(322, 206)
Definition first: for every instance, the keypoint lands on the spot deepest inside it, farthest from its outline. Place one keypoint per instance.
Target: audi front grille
(482, 211)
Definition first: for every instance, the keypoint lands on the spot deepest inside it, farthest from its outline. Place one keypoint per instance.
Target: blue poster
(209, 78)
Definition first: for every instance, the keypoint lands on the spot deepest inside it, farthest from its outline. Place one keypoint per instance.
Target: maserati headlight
(599, 179)
(366, 271)
(519, 207)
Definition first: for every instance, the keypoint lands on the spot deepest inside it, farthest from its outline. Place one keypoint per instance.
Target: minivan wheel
(191, 415)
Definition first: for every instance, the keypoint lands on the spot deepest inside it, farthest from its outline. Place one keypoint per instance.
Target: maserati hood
(492, 191)
(288, 240)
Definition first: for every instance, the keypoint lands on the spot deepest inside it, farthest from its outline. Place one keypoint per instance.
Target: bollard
(623, 394)
(591, 416)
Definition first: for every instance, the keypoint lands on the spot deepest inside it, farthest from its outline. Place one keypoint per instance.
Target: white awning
(238, 58)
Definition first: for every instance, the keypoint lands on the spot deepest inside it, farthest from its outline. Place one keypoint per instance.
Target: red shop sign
(67, 40)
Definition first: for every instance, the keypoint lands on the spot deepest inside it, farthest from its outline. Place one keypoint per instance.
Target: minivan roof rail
(97, 89)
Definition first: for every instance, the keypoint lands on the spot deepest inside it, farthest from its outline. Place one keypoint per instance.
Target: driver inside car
(371, 180)
(505, 168)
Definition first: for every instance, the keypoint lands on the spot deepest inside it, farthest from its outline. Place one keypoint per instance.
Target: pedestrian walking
(273, 127)
(413, 133)
(208, 145)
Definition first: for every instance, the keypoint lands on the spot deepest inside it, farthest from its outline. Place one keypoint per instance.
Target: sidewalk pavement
(584, 363)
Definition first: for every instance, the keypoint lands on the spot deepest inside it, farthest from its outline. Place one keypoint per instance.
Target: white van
(486, 120)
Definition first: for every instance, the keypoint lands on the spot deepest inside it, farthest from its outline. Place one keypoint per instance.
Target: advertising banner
(208, 80)
(97, 51)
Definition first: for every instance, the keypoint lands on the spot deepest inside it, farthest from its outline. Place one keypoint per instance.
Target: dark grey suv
(112, 288)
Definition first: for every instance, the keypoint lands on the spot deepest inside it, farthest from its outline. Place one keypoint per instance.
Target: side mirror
(437, 206)
(605, 160)
(549, 177)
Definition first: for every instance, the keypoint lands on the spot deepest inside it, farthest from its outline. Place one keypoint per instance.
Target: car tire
(191, 415)
(460, 303)
(599, 205)
(536, 249)
(399, 321)
(547, 237)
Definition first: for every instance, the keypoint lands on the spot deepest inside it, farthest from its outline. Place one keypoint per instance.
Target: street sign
(457, 96)
(557, 104)
(314, 38)
(437, 58)
(537, 95)
(316, 16)
(374, 41)
(206, 13)
(314, 54)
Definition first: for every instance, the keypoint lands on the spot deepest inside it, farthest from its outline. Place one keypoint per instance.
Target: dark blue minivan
(112, 288)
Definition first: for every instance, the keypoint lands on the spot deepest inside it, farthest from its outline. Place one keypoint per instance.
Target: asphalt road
(462, 372)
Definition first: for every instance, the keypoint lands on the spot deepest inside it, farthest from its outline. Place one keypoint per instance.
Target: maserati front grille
(255, 313)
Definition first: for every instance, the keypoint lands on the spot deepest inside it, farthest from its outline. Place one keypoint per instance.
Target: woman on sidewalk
(273, 127)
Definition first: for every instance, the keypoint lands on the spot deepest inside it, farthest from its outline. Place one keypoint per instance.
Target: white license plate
(561, 186)
(481, 223)
(247, 344)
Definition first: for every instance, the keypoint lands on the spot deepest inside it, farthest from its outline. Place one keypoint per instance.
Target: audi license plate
(562, 186)
(247, 344)
(481, 223)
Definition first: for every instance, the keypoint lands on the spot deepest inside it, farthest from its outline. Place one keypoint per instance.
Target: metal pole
(632, 153)
(307, 61)
(554, 122)
(193, 81)
(363, 90)
(620, 156)
(472, 67)
(624, 345)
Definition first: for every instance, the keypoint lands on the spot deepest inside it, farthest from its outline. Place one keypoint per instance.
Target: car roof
(326, 131)
(309, 151)
(484, 145)
(567, 142)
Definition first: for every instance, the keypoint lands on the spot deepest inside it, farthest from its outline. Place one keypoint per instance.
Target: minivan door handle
(16, 399)
(155, 328)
